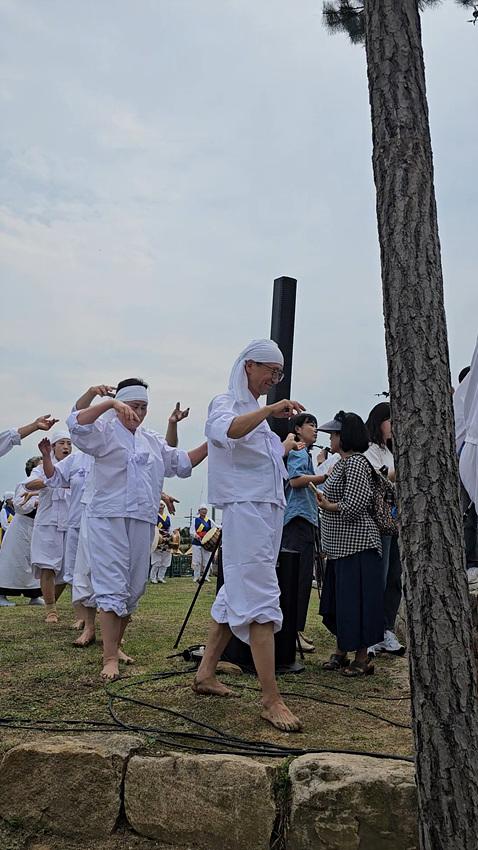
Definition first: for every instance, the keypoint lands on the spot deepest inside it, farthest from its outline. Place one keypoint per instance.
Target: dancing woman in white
(246, 480)
(131, 463)
(51, 522)
(16, 576)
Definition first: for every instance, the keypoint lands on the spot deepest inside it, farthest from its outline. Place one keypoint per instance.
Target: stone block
(341, 802)
(204, 802)
(66, 785)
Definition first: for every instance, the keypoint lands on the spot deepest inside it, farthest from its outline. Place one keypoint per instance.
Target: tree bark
(442, 667)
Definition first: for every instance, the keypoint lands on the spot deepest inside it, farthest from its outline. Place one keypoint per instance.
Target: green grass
(44, 676)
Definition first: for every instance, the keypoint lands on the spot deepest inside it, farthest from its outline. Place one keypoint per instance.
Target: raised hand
(169, 501)
(290, 443)
(178, 415)
(44, 423)
(285, 409)
(126, 413)
(103, 390)
(45, 447)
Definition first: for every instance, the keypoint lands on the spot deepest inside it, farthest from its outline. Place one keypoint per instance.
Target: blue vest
(204, 524)
(164, 524)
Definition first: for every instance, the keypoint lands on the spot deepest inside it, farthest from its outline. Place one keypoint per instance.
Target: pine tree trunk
(442, 668)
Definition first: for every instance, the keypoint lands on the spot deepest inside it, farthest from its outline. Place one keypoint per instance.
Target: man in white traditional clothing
(50, 526)
(200, 526)
(131, 463)
(246, 480)
(13, 436)
(466, 418)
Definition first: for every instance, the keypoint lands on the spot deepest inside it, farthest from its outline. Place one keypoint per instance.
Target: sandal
(335, 662)
(358, 668)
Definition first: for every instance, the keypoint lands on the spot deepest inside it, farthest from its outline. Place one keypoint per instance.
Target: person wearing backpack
(351, 602)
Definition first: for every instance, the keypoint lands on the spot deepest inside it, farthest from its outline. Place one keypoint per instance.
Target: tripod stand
(198, 590)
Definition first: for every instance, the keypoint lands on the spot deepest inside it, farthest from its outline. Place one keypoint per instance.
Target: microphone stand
(198, 590)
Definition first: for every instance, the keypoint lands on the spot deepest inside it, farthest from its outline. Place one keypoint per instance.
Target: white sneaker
(392, 644)
(161, 581)
(5, 603)
(38, 600)
(154, 581)
(377, 648)
(208, 579)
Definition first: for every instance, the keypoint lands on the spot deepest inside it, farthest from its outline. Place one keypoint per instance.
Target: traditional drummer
(200, 526)
(246, 480)
(161, 554)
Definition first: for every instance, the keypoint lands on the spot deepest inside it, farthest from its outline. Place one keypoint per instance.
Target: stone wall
(84, 786)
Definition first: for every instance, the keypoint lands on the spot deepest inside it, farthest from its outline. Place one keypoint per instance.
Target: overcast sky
(164, 160)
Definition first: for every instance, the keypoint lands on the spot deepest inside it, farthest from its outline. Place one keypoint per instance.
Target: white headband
(133, 393)
(59, 435)
(261, 350)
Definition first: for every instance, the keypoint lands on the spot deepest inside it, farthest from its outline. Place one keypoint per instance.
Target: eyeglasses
(277, 375)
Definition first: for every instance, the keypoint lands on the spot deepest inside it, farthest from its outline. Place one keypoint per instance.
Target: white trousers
(48, 551)
(71, 546)
(119, 551)
(199, 560)
(251, 537)
(81, 588)
(160, 563)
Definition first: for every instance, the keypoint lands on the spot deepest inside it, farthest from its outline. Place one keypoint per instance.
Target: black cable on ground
(198, 742)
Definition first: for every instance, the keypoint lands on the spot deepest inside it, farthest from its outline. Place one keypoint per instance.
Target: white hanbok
(49, 529)
(15, 562)
(246, 480)
(72, 472)
(129, 473)
(469, 452)
(9, 439)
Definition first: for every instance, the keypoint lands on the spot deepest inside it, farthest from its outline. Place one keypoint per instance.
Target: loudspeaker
(282, 332)
(239, 653)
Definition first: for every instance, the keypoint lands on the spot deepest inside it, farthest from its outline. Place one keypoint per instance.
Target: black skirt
(351, 602)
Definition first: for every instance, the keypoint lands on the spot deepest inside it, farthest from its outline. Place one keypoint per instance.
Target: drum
(161, 542)
(210, 539)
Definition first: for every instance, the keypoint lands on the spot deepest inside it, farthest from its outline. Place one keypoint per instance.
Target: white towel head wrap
(261, 350)
(202, 507)
(59, 434)
(9, 494)
(136, 392)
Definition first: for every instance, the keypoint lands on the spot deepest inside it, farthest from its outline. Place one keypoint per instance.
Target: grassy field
(44, 677)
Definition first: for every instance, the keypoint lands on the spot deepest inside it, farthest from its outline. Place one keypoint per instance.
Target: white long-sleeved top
(72, 472)
(129, 468)
(53, 504)
(9, 439)
(250, 469)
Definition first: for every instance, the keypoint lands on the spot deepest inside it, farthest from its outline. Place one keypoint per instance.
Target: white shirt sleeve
(9, 439)
(176, 461)
(3, 519)
(220, 416)
(92, 439)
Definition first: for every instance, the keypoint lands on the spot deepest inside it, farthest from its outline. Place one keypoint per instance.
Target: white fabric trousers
(119, 550)
(48, 551)
(199, 560)
(160, 563)
(71, 547)
(251, 537)
(81, 588)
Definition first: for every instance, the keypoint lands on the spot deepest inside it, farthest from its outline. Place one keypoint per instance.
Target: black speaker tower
(282, 332)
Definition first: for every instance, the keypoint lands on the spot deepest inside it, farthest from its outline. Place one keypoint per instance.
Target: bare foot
(86, 638)
(78, 624)
(281, 717)
(212, 687)
(51, 617)
(126, 659)
(110, 671)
